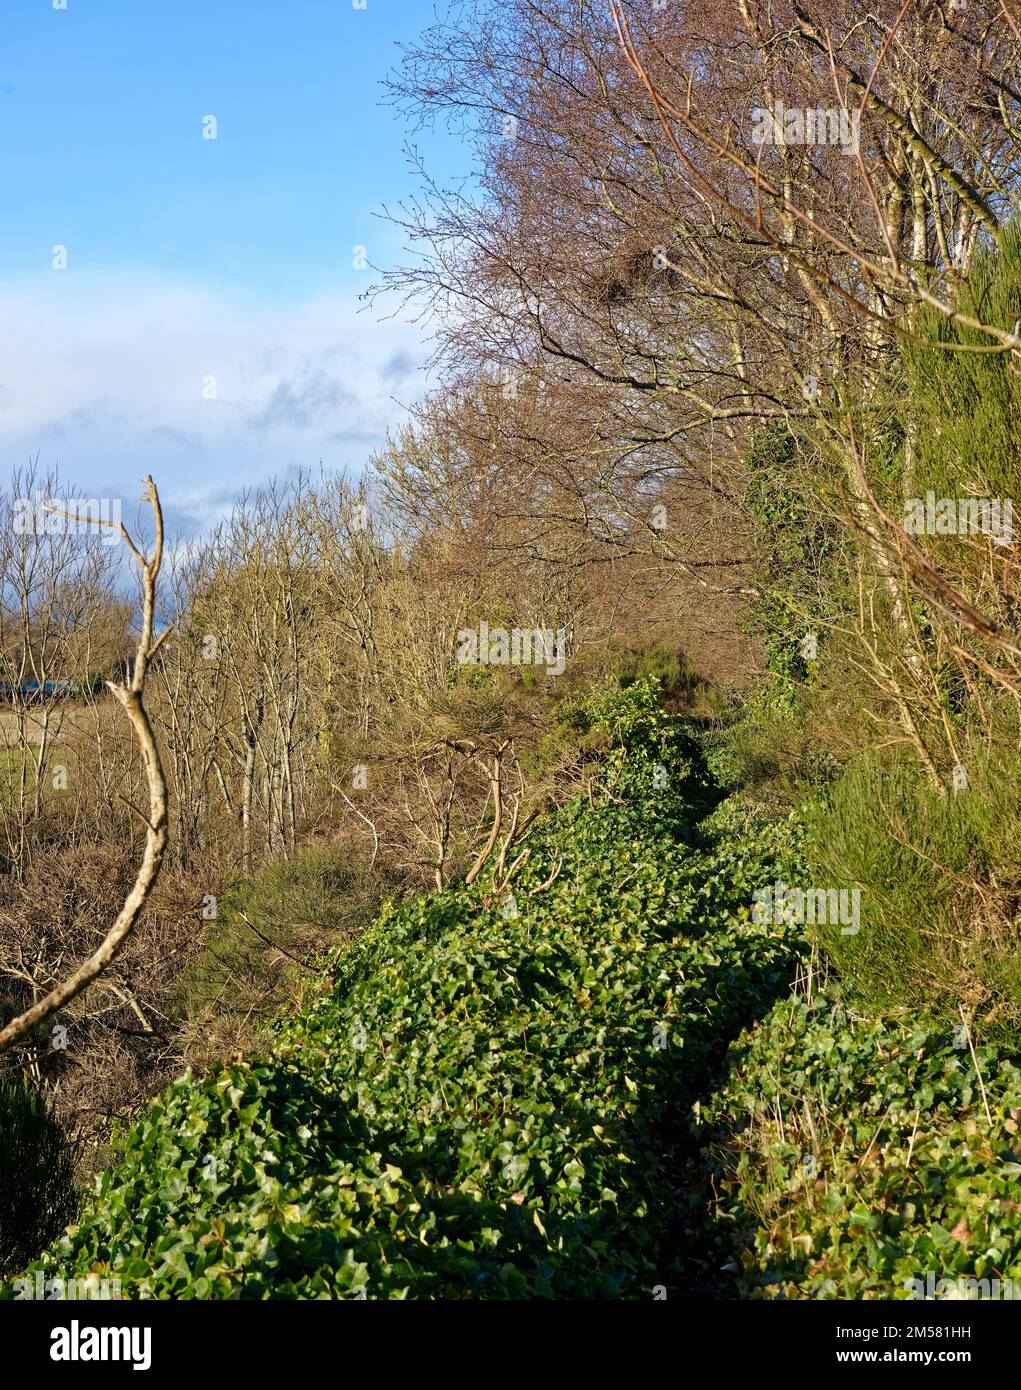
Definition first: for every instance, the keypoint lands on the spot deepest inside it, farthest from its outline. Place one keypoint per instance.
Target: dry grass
(70, 722)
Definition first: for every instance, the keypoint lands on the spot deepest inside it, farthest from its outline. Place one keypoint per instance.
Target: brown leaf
(961, 1232)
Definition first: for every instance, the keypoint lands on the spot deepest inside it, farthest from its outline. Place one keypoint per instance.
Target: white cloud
(108, 375)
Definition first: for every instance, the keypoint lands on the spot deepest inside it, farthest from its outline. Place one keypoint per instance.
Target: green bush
(966, 406)
(940, 890)
(257, 949)
(38, 1197)
(661, 666)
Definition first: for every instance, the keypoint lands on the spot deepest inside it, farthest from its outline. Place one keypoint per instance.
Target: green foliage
(967, 405)
(854, 1156)
(592, 1087)
(664, 666)
(770, 742)
(795, 546)
(265, 926)
(484, 1102)
(37, 1193)
(633, 714)
(622, 713)
(940, 889)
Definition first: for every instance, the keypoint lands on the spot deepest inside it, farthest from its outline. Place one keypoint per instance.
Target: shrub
(940, 890)
(38, 1197)
(663, 666)
(266, 930)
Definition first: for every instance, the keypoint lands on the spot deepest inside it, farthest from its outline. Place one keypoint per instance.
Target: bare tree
(131, 697)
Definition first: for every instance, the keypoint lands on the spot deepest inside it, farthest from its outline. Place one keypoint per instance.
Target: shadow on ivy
(696, 1246)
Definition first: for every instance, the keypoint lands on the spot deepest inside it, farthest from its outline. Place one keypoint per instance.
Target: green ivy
(483, 1101)
(599, 1085)
(855, 1156)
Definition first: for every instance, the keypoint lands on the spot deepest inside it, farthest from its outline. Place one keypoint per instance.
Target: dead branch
(131, 698)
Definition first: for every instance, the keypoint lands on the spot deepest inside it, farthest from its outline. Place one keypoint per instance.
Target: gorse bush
(940, 890)
(256, 948)
(662, 666)
(487, 1097)
(966, 405)
(37, 1192)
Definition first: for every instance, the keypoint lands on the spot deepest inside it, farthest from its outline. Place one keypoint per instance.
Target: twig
(978, 1072)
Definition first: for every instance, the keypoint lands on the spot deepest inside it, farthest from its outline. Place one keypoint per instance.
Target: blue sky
(206, 327)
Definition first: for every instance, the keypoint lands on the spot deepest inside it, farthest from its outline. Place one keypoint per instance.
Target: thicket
(608, 1081)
